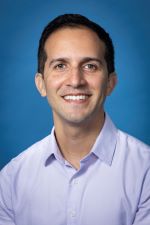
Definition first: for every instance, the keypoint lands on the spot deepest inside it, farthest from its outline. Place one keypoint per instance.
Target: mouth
(76, 98)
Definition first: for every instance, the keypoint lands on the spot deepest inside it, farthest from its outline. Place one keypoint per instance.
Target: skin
(76, 66)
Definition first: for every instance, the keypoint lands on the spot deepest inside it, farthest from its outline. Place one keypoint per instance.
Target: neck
(75, 142)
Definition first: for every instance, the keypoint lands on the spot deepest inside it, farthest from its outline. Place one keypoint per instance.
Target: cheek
(53, 83)
(98, 84)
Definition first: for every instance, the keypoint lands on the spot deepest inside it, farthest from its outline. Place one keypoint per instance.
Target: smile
(76, 97)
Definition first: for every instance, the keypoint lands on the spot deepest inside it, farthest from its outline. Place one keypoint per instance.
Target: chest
(92, 196)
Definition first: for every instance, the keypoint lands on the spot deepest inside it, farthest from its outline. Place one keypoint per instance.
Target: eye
(60, 66)
(90, 67)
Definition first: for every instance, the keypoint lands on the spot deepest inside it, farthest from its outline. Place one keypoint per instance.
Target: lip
(76, 98)
(76, 94)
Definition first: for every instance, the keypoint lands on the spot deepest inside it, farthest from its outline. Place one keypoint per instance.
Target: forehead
(75, 40)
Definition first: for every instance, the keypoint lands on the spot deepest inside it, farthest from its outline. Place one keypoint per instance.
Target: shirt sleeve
(143, 212)
(6, 209)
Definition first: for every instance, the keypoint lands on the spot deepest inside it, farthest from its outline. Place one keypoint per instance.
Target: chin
(77, 121)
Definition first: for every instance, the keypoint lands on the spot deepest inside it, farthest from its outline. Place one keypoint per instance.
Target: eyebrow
(87, 59)
(83, 60)
(58, 60)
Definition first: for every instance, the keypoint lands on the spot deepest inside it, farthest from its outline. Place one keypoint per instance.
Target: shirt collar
(52, 149)
(103, 148)
(105, 144)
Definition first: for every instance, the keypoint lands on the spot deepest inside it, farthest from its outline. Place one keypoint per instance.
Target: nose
(76, 78)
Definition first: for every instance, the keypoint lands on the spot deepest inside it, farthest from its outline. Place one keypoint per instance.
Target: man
(86, 171)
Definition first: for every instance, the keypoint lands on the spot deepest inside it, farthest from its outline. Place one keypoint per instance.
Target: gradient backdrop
(25, 117)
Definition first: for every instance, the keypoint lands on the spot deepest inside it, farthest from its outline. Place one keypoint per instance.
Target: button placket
(72, 213)
(72, 202)
(75, 182)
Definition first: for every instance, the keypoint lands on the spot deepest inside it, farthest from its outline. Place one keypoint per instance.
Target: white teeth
(75, 97)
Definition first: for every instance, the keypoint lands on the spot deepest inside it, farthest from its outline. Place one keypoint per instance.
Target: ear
(112, 81)
(40, 84)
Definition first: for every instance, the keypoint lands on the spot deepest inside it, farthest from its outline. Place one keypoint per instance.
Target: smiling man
(86, 171)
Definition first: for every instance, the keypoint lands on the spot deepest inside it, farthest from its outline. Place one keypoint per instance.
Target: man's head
(75, 21)
(76, 69)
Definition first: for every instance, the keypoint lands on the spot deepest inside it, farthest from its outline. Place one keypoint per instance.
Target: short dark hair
(75, 20)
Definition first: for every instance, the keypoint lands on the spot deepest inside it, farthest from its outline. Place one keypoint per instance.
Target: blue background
(25, 117)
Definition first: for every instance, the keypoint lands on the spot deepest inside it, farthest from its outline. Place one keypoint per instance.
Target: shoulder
(132, 150)
(131, 142)
(35, 151)
(20, 174)
(28, 159)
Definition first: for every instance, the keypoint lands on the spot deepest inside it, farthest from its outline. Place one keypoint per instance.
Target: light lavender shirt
(112, 186)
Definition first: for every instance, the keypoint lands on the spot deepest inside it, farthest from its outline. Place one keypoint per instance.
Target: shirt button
(72, 213)
(75, 182)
